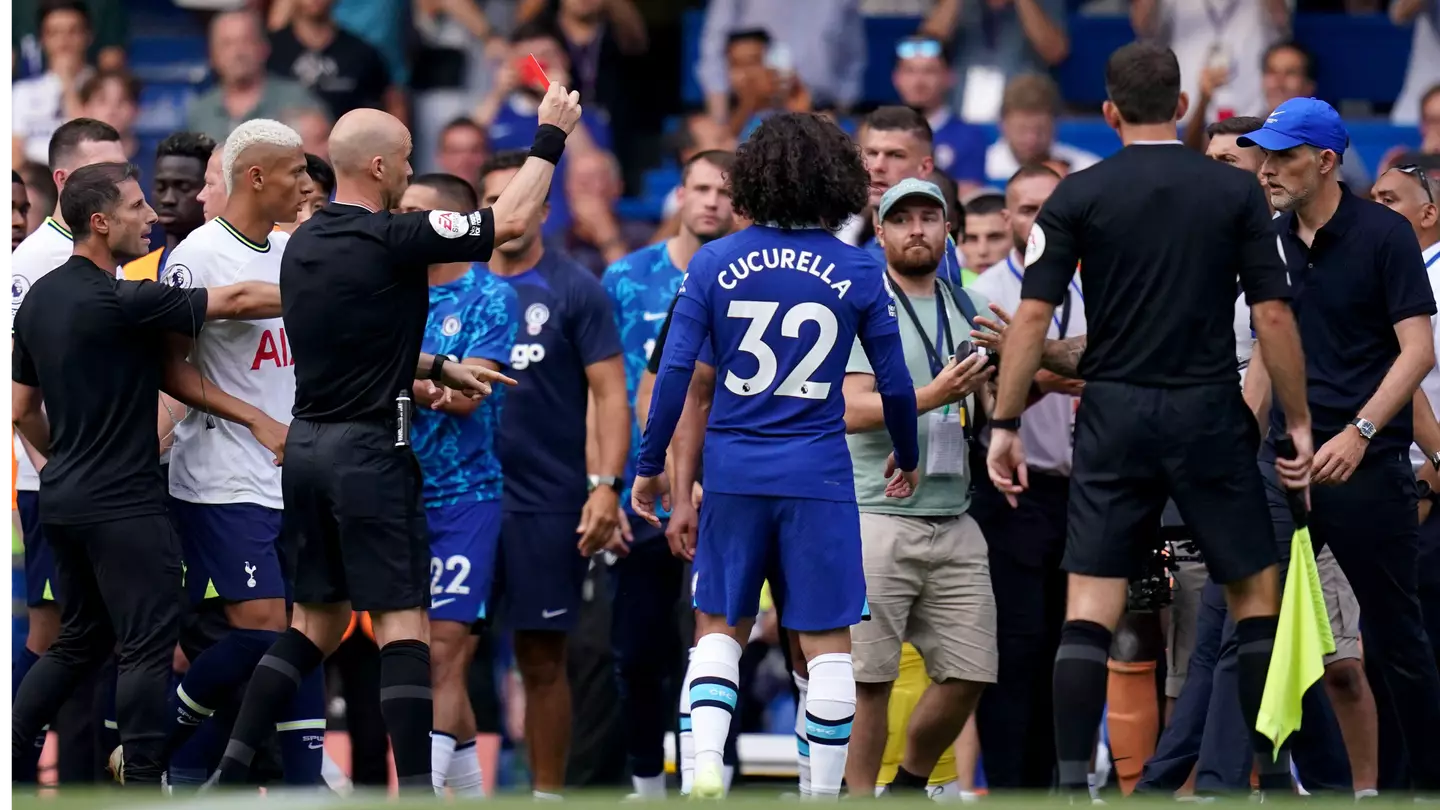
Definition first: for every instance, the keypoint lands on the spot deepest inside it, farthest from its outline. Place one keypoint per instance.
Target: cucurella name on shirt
(781, 259)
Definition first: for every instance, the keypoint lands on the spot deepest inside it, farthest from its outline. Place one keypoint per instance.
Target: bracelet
(1005, 424)
(435, 366)
(549, 143)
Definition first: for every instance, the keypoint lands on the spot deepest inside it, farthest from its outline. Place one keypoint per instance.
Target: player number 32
(798, 382)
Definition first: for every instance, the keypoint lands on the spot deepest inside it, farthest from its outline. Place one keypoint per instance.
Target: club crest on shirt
(535, 317)
(450, 326)
(1034, 245)
(19, 285)
(177, 275)
(449, 224)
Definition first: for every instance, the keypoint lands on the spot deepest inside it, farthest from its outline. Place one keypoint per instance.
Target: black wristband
(435, 366)
(549, 143)
(1005, 424)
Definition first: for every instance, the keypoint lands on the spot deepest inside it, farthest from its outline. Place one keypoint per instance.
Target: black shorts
(354, 517)
(1136, 447)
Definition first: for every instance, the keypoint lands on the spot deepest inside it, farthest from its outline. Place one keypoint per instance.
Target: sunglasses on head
(1415, 171)
(918, 49)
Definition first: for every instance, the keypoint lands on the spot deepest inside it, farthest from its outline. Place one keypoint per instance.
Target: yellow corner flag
(1303, 637)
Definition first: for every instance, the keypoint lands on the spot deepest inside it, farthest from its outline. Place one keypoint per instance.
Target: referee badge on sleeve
(1034, 245)
(449, 224)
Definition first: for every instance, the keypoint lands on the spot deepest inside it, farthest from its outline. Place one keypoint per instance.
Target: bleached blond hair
(255, 132)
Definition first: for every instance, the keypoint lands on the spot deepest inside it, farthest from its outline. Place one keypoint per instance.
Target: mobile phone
(964, 350)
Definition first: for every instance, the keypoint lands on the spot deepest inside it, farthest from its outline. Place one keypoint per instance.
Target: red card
(533, 73)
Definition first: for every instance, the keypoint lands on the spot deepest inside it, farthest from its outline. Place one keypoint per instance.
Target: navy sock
(27, 767)
(1081, 675)
(1255, 638)
(191, 763)
(273, 686)
(407, 705)
(302, 732)
(213, 677)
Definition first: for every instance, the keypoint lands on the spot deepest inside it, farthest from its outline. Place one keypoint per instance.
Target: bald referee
(355, 287)
(1162, 232)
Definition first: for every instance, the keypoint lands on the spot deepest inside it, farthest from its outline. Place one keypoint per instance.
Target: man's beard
(905, 265)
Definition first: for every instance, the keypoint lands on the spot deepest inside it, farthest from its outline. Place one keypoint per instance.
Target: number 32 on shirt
(797, 383)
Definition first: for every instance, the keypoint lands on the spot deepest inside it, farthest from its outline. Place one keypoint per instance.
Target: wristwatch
(1435, 460)
(1365, 426)
(1005, 424)
(604, 481)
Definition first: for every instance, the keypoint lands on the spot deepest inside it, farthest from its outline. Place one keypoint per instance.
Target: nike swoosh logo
(435, 603)
(316, 746)
(656, 316)
(550, 614)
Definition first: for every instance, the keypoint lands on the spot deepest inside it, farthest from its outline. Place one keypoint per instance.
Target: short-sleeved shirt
(1163, 233)
(95, 347)
(475, 316)
(346, 74)
(42, 251)
(936, 496)
(207, 112)
(642, 289)
(355, 290)
(992, 40)
(566, 324)
(1362, 274)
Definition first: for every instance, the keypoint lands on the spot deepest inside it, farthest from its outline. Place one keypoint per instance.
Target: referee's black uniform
(95, 349)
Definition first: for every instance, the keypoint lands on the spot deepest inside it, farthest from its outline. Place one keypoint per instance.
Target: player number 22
(457, 563)
(798, 382)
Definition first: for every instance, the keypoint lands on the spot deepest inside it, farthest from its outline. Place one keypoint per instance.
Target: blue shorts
(539, 573)
(39, 560)
(809, 549)
(463, 541)
(232, 551)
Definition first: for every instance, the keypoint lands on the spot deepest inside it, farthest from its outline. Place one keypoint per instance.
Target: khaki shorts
(1190, 576)
(1342, 606)
(928, 583)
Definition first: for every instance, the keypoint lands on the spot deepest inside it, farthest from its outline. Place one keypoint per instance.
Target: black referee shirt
(95, 347)
(354, 290)
(1161, 233)
(1362, 274)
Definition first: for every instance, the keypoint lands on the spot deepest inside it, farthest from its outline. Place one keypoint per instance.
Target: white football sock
(464, 776)
(442, 749)
(686, 740)
(802, 743)
(714, 690)
(829, 715)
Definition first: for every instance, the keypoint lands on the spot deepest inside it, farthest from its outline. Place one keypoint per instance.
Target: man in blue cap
(1363, 303)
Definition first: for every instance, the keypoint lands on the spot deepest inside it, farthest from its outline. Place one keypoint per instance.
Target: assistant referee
(356, 293)
(1162, 232)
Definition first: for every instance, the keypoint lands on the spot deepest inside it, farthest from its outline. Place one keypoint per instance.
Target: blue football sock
(213, 679)
(192, 763)
(302, 732)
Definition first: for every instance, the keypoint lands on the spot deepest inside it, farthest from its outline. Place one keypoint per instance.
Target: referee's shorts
(355, 517)
(1136, 447)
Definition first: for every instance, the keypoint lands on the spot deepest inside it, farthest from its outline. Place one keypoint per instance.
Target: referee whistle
(404, 411)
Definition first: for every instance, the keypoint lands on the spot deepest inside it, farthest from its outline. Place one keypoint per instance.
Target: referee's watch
(611, 481)
(1365, 426)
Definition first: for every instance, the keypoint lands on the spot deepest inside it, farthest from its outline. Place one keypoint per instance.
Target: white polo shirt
(1047, 428)
(1431, 384)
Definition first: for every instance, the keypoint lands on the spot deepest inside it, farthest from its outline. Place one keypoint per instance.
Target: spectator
(987, 231)
(1423, 72)
(699, 133)
(597, 35)
(113, 96)
(924, 78)
(825, 40)
(1289, 72)
(314, 128)
(40, 188)
(43, 103)
(237, 53)
(1027, 130)
(997, 40)
(341, 69)
(108, 25)
(381, 23)
(455, 52)
(463, 150)
(1219, 46)
(750, 57)
(599, 237)
(19, 211)
(1429, 135)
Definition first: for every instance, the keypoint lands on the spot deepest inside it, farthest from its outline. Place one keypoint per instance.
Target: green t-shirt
(936, 495)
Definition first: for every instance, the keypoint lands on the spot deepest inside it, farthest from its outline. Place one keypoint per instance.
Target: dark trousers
(1015, 717)
(645, 638)
(1370, 524)
(1179, 746)
(1428, 567)
(597, 742)
(122, 585)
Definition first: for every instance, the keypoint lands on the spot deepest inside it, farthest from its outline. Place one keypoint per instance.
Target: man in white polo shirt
(1026, 543)
(926, 568)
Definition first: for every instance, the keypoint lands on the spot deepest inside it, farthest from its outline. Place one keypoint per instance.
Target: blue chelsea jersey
(475, 316)
(641, 287)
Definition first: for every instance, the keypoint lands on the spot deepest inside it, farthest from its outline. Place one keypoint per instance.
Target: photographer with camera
(927, 569)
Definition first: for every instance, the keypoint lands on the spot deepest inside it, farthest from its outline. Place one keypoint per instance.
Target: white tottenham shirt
(1048, 426)
(249, 360)
(1431, 384)
(42, 251)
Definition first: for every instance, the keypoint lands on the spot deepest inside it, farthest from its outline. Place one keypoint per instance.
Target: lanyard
(1432, 260)
(1062, 319)
(1220, 18)
(932, 352)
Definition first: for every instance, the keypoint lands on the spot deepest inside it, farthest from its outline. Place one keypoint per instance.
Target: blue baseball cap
(1307, 121)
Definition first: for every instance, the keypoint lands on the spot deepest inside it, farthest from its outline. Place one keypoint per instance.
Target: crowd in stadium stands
(972, 104)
